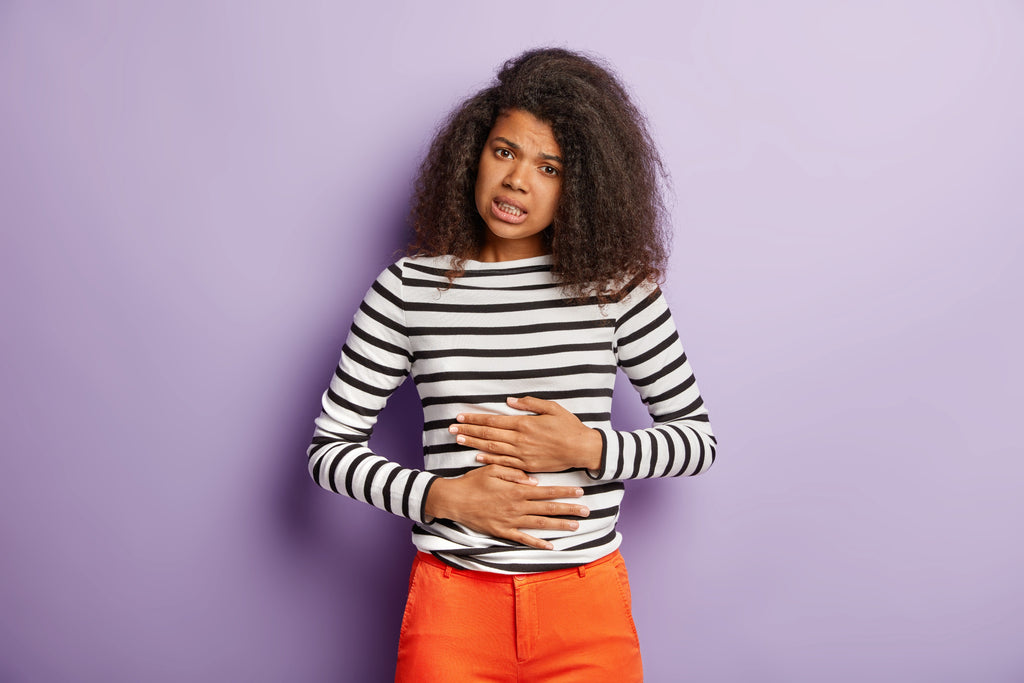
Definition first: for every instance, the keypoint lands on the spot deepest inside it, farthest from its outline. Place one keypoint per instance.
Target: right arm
(375, 360)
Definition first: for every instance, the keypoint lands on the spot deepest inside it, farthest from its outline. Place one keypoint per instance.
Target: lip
(507, 217)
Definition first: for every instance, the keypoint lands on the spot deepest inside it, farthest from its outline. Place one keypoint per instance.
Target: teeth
(508, 208)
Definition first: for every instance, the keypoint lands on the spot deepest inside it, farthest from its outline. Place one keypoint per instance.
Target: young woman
(539, 242)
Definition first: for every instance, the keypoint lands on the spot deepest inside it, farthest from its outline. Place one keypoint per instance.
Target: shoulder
(443, 262)
(639, 302)
(631, 294)
(434, 268)
(413, 264)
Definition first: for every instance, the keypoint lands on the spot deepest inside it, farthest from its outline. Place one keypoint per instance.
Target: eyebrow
(548, 157)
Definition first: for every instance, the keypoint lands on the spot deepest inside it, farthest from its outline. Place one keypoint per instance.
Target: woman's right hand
(501, 501)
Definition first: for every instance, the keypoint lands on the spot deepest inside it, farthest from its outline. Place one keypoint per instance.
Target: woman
(539, 241)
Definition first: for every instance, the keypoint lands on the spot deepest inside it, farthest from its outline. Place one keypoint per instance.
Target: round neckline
(543, 259)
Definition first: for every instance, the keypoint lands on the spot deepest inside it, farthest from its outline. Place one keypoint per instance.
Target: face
(518, 186)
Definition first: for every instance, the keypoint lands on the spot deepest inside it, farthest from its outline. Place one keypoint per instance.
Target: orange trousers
(565, 625)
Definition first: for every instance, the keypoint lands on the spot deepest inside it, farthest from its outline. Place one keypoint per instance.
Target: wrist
(438, 499)
(592, 449)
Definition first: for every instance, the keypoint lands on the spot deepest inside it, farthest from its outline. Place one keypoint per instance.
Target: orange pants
(564, 625)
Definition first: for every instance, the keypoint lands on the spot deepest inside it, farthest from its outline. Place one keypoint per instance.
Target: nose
(516, 178)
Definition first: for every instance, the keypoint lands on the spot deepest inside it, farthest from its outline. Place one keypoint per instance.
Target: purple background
(195, 197)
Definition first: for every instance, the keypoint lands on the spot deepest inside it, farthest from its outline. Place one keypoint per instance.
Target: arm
(648, 350)
(375, 360)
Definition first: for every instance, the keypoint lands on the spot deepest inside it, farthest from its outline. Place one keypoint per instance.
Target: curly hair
(610, 225)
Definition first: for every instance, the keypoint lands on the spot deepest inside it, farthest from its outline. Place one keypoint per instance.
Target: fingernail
(513, 399)
(579, 492)
(480, 458)
(574, 525)
(460, 438)
(460, 417)
(454, 429)
(584, 512)
(531, 480)
(549, 546)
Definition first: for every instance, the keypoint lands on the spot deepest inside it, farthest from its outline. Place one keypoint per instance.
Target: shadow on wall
(357, 557)
(644, 499)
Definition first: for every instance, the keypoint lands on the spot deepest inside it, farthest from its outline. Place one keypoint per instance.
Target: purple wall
(194, 199)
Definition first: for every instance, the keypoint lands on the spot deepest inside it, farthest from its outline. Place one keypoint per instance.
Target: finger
(550, 510)
(486, 433)
(535, 405)
(500, 421)
(552, 492)
(511, 474)
(496, 447)
(527, 539)
(504, 460)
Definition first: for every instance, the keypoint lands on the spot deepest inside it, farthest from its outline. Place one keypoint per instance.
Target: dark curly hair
(610, 224)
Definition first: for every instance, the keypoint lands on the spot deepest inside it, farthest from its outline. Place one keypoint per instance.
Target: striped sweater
(505, 329)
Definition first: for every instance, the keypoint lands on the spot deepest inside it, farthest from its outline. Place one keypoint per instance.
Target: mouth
(507, 211)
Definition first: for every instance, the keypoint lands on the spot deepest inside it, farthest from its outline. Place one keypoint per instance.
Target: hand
(553, 440)
(500, 501)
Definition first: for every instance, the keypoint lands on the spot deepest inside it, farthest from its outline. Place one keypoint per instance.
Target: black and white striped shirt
(505, 329)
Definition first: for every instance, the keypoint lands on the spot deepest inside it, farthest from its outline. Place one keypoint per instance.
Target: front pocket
(622, 581)
(411, 599)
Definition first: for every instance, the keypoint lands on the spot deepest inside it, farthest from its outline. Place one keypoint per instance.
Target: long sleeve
(375, 360)
(648, 350)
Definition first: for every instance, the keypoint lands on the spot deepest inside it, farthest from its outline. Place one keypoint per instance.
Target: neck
(496, 250)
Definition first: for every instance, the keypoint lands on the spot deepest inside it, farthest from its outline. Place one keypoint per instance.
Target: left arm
(649, 352)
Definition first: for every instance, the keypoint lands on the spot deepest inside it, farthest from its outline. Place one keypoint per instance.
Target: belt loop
(447, 572)
(582, 570)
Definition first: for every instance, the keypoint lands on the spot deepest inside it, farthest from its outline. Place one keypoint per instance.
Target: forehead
(525, 130)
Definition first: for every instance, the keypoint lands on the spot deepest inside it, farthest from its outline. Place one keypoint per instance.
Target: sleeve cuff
(610, 455)
(422, 517)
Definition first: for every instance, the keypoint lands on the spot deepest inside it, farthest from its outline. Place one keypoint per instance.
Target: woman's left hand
(552, 440)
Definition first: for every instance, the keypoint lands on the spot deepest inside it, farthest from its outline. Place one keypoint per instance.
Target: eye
(549, 170)
(503, 153)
